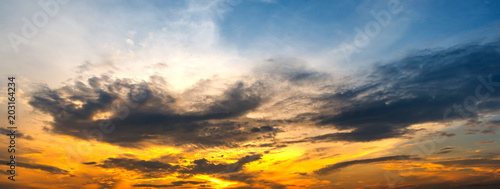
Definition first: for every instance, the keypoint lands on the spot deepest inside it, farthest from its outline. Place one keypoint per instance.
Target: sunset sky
(252, 94)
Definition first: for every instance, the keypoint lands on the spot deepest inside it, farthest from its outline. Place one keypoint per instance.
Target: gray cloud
(293, 71)
(16, 185)
(203, 166)
(153, 168)
(174, 184)
(337, 166)
(139, 165)
(481, 162)
(415, 89)
(445, 134)
(157, 113)
(5, 131)
(446, 150)
(486, 142)
(46, 168)
(251, 179)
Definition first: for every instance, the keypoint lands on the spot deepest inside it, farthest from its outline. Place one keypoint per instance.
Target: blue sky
(318, 25)
(307, 29)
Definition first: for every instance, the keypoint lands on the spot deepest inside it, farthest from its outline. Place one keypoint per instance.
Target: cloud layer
(418, 88)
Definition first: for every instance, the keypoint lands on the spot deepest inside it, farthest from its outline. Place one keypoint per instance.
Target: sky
(251, 94)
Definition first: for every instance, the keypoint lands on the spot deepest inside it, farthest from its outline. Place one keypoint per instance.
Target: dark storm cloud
(335, 167)
(143, 111)
(415, 89)
(156, 168)
(46, 168)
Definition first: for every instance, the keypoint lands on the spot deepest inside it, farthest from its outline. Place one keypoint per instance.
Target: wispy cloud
(486, 142)
(337, 166)
(46, 168)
